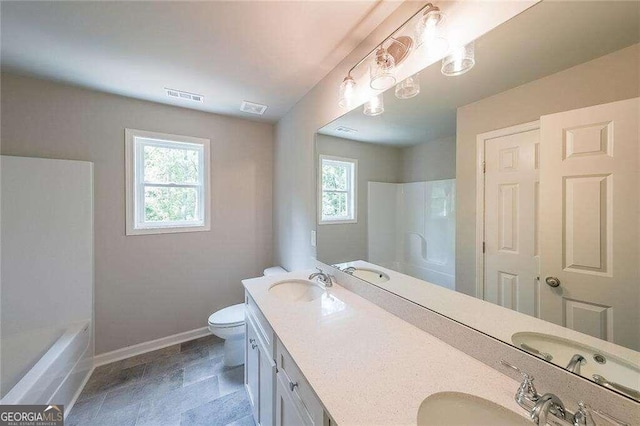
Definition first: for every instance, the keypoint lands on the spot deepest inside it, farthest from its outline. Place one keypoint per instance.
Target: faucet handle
(582, 417)
(526, 390)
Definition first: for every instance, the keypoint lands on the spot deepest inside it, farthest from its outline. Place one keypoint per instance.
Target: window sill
(338, 222)
(167, 230)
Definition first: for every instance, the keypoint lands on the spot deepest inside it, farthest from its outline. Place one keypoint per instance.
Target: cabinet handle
(292, 386)
(253, 346)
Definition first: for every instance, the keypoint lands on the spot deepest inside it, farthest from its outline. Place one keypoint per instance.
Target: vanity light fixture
(459, 61)
(375, 105)
(409, 87)
(392, 51)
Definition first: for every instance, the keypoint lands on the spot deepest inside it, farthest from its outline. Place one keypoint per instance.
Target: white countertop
(489, 318)
(367, 366)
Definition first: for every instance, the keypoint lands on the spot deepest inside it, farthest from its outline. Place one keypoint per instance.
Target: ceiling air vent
(179, 94)
(345, 129)
(252, 108)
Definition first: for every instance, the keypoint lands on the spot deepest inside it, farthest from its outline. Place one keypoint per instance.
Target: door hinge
(484, 247)
(484, 167)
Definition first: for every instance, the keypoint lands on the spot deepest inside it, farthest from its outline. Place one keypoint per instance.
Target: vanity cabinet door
(287, 413)
(252, 368)
(260, 373)
(267, 386)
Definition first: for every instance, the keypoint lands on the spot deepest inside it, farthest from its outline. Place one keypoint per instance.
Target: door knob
(552, 281)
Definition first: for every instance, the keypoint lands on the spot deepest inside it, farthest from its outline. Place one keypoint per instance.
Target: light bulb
(428, 32)
(459, 61)
(382, 71)
(375, 106)
(347, 92)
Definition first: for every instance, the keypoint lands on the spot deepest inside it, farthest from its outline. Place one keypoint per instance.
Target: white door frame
(481, 140)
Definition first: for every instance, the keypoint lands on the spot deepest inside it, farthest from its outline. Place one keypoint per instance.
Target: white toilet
(228, 324)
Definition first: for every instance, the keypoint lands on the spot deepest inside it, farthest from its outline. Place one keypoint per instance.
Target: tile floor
(185, 384)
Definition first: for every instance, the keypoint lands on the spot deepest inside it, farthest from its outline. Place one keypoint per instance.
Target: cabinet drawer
(265, 332)
(291, 378)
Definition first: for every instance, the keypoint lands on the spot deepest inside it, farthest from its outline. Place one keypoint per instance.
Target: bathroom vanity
(278, 391)
(320, 356)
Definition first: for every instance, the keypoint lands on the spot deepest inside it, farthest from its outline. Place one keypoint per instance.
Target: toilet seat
(231, 316)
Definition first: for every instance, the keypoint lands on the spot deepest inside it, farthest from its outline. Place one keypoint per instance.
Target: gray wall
(433, 160)
(378, 163)
(152, 286)
(607, 79)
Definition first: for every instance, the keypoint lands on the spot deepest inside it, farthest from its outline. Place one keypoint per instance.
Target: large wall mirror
(506, 197)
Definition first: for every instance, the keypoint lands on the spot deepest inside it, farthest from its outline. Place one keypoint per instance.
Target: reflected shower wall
(411, 229)
(47, 278)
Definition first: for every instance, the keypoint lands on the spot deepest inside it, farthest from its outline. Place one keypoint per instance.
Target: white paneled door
(510, 243)
(589, 232)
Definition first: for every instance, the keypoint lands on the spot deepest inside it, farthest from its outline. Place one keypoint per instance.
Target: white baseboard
(152, 345)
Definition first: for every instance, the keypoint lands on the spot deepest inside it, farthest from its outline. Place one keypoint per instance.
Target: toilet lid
(228, 317)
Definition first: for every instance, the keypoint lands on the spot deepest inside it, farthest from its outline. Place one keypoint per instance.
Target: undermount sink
(297, 290)
(457, 408)
(371, 275)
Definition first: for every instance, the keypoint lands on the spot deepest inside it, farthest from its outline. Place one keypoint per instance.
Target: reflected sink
(457, 408)
(297, 290)
(370, 275)
(620, 375)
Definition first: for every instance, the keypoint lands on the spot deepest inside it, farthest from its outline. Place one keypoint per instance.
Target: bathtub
(58, 376)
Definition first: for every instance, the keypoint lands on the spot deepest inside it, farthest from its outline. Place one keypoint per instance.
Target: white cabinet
(260, 367)
(252, 367)
(287, 413)
(267, 377)
(278, 392)
(298, 392)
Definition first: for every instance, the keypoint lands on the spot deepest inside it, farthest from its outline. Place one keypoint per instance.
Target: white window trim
(354, 182)
(133, 192)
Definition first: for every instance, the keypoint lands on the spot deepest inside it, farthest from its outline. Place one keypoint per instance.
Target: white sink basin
(456, 408)
(371, 275)
(297, 290)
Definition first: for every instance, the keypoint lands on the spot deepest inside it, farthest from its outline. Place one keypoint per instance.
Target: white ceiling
(267, 52)
(545, 39)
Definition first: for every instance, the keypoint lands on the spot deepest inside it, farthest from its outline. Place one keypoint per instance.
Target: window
(167, 183)
(337, 195)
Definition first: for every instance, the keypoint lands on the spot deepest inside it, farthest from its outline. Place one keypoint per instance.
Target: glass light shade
(428, 32)
(347, 92)
(382, 71)
(408, 88)
(459, 61)
(375, 106)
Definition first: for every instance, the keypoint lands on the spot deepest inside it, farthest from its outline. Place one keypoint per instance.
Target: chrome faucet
(576, 362)
(322, 278)
(547, 403)
(350, 270)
